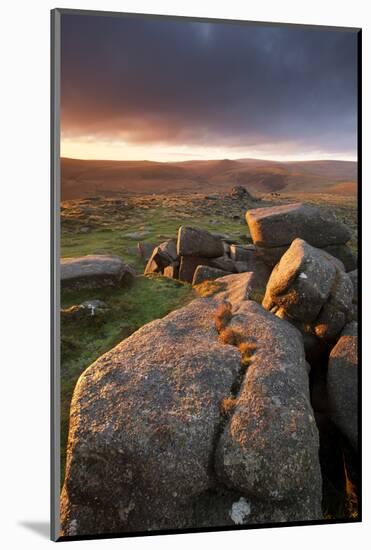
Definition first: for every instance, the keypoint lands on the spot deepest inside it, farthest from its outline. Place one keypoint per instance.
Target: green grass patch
(158, 225)
(101, 241)
(84, 340)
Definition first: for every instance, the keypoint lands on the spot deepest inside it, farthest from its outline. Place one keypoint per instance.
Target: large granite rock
(269, 448)
(344, 254)
(193, 241)
(342, 383)
(336, 310)
(142, 426)
(274, 228)
(280, 225)
(146, 422)
(95, 271)
(309, 286)
(236, 288)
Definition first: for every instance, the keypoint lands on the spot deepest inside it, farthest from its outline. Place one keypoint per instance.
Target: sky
(135, 88)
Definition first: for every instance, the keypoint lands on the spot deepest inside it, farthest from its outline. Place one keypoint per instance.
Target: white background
(24, 289)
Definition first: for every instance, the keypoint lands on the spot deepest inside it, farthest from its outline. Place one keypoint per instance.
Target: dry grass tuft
(247, 351)
(209, 288)
(246, 360)
(228, 336)
(227, 406)
(247, 348)
(223, 316)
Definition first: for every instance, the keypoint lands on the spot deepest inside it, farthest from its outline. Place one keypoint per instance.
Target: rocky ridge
(204, 418)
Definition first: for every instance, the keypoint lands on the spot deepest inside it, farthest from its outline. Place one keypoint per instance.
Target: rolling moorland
(110, 207)
(84, 178)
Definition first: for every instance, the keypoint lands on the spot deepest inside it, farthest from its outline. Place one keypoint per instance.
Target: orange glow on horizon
(92, 149)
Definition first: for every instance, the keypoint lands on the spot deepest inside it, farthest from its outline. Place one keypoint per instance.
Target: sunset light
(174, 91)
(89, 149)
(209, 187)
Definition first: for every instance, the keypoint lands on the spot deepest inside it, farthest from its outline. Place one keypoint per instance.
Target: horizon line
(208, 160)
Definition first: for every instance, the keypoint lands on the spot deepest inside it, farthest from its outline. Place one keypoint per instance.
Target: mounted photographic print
(205, 191)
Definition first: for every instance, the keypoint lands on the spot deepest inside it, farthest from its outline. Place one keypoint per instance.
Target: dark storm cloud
(155, 80)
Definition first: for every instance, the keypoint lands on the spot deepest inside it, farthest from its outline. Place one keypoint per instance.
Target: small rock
(94, 271)
(198, 242)
(89, 308)
(162, 256)
(145, 250)
(240, 192)
(206, 273)
(172, 271)
(189, 264)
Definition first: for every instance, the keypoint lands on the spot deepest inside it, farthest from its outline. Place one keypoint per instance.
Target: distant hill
(84, 178)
